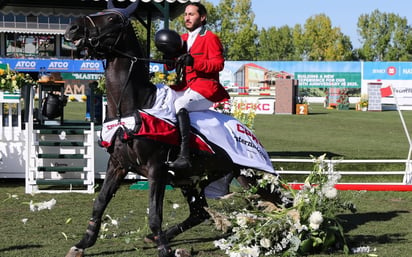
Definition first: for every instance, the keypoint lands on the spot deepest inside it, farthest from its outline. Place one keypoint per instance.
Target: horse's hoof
(75, 252)
(149, 239)
(182, 253)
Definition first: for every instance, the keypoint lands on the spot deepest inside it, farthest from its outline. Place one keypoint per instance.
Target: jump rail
(332, 167)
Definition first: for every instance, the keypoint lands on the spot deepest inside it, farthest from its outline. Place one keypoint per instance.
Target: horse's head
(100, 32)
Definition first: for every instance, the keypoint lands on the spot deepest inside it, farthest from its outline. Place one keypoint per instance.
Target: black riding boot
(182, 161)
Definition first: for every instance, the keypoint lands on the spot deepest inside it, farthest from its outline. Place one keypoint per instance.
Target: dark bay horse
(109, 34)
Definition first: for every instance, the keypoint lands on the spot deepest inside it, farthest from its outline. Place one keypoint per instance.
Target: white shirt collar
(192, 36)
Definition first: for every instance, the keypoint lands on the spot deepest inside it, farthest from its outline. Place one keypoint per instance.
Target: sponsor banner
(88, 66)
(387, 71)
(82, 76)
(260, 105)
(329, 79)
(236, 74)
(62, 65)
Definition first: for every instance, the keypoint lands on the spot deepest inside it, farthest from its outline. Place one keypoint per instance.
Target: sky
(343, 14)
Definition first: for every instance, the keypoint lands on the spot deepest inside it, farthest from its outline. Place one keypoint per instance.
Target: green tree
(300, 50)
(322, 42)
(385, 37)
(237, 30)
(276, 44)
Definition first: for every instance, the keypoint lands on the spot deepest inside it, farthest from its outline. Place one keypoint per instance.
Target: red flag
(386, 91)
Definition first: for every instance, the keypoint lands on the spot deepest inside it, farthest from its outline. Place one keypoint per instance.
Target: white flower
(363, 249)
(113, 221)
(223, 244)
(175, 206)
(246, 251)
(315, 220)
(24, 221)
(42, 206)
(242, 220)
(265, 242)
(330, 192)
(247, 172)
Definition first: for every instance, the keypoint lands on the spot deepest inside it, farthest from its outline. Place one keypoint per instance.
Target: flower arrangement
(157, 78)
(72, 98)
(306, 224)
(247, 118)
(12, 81)
(162, 78)
(364, 101)
(234, 108)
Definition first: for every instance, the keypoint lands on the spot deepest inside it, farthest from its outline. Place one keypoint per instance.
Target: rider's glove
(186, 59)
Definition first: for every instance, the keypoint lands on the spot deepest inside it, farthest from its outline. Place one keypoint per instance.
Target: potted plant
(363, 103)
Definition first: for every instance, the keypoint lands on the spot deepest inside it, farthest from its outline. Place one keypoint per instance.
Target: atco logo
(25, 65)
(90, 66)
(59, 65)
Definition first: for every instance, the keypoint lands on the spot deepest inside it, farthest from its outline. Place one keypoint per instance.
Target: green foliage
(324, 42)
(11, 80)
(237, 30)
(385, 37)
(276, 44)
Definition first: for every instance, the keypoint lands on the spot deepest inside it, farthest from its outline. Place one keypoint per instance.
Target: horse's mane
(139, 92)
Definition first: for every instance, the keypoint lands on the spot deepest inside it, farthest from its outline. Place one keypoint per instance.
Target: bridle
(95, 38)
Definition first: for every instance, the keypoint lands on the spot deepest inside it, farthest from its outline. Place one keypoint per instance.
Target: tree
(236, 29)
(322, 42)
(385, 37)
(276, 44)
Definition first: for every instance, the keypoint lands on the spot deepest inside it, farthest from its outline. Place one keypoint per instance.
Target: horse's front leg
(114, 175)
(157, 180)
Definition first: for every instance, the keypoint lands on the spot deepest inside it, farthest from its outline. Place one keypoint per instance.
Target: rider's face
(193, 20)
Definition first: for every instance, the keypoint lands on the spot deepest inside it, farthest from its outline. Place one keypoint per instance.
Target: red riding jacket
(203, 76)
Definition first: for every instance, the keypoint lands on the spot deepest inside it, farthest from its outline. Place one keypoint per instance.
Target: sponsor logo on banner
(260, 105)
(58, 65)
(90, 66)
(25, 65)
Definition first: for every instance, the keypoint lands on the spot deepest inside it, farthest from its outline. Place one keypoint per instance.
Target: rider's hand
(186, 59)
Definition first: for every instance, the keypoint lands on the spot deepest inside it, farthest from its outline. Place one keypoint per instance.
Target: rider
(200, 86)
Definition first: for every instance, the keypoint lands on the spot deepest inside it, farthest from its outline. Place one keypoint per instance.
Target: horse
(109, 35)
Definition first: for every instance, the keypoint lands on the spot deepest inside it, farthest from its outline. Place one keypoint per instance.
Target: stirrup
(180, 163)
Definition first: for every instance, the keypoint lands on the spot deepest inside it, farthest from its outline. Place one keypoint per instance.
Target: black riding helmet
(169, 42)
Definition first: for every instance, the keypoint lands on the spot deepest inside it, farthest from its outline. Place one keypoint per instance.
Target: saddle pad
(243, 147)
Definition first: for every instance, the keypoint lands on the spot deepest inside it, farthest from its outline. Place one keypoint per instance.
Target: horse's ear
(131, 8)
(110, 4)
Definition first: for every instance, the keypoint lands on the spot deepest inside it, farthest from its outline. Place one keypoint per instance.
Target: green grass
(75, 111)
(346, 133)
(382, 222)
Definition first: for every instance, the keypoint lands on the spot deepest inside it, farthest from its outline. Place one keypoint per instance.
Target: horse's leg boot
(182, 161)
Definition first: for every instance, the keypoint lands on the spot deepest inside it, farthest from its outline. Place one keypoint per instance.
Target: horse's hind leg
(110, 185)
(197, 203)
